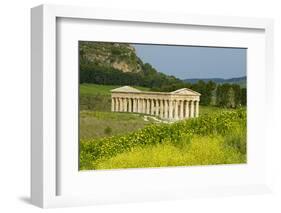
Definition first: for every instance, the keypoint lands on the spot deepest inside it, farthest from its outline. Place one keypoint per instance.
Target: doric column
(129, 105)
(161, 108)
(192, 109)
(112, 104)
(156, 107)
(148, 106)
(139, 105)
(117, 105)
(120, 104)
(186, 109)
(166, 110)
(181, 109)
(197, 109)
(176, 110)
(143, 106)
(125, 106)
(170, 109)
(151, 106)
(134, 105)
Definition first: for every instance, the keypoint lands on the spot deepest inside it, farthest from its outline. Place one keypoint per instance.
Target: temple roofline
(128, 89)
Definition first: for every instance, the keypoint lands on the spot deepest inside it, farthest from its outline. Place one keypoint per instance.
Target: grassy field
(95, 124)
(96, 89)
(212, 109)
(124, 140)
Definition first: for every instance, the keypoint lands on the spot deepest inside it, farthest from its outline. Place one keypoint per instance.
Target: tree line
(223, 95)
(92, 73)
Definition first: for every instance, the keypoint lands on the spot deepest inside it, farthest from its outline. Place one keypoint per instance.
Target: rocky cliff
(116, 55)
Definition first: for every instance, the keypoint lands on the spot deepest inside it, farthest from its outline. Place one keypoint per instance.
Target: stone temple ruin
(176, 105)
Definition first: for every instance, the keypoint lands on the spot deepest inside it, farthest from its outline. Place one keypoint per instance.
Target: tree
(237, 95)
(230, 95)
(222, 95)
(210, 88)
(243, 96)
(230, 98)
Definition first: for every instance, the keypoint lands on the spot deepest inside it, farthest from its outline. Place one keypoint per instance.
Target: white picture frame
(45, 166)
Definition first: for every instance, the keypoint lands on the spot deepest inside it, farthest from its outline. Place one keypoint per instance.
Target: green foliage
(205, 89)
(236, 95)
(98, 74)
(230, 95)
(223, 123)
(237, 139)
(243, 96)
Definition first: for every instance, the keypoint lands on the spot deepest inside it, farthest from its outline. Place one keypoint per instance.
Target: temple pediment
(185, 91)
(125, 89)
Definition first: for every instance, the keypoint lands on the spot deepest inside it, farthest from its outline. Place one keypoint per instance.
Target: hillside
(114, 55)
(118, 64)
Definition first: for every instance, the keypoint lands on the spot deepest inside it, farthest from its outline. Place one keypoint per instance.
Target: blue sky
(194, 62)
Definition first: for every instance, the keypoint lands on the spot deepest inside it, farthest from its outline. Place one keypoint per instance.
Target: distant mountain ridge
(239, 80)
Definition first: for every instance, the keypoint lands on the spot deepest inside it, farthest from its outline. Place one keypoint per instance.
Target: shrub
(237, 139)
(108, 130)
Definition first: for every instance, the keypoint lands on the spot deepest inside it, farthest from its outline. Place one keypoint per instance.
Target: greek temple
(176, 105)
